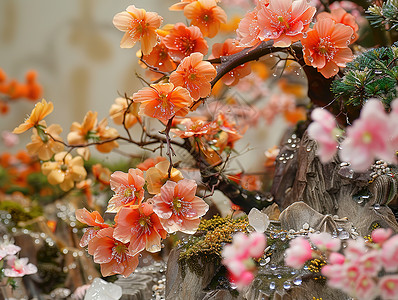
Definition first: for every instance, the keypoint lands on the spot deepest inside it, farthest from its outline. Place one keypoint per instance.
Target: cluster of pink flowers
(364, 270)
(373, 135)
(15, 267)
(238, 257)
(141, 224)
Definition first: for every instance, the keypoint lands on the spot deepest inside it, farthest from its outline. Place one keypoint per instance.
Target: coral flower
(138, 25)
(182, 41)
(225, 49)
(197, 128)
(206, 15)
(339, 15)
(178, 208)
(163, 101)
(43, 145)
(123, 109)
(93, 219)
(285, 21)
(64, 171)
(112, 254)
(180, 5)
(160, 59)
(128, 188)
(326, 46)
(157, 176)
(102, 174)
(248, 29)
(150, 162)
(107, 136)
(195, 75)
(368, 138)
(41, 110)
(141, 227)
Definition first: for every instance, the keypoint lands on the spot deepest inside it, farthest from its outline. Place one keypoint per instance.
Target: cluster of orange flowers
(16, 169)
(141, 223)
(11, 89)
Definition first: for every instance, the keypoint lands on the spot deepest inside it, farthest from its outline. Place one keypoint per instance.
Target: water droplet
(272, 267)
(287, 285)
(376, 206)
(297, 281)
(272, 285)
(344, 235)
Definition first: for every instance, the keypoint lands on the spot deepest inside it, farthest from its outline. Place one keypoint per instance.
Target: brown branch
(170, 151)
(152, 68)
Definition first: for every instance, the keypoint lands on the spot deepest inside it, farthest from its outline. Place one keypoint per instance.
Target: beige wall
(75, 49)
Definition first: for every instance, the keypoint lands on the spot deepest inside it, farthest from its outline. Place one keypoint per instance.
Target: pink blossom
(10, 249)
(380, 235)
(365, 288)
(336, 275)
(19, 267)
(3, 254)
(355, 249)
(352, 273)
(9, 139)
(324, 131)
(368, 138)
(336, 258)
(257, 242)
(388, 286)
(177, 206)
(394, 124)
(243, 280)
(389, 255)
(298, 253)
(370, 263)
(325, 242)
(237, 257)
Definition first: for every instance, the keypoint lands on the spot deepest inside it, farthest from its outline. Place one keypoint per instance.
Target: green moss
(20, 213)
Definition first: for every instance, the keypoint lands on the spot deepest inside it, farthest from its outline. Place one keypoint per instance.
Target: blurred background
(74, 48)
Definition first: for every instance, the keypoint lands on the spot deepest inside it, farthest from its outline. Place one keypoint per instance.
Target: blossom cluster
(364, 270)
(15, 267)
(141, 223)
(11, 89)
(238, 257)
(373, 135)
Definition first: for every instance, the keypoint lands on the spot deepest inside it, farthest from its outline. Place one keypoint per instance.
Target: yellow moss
(207, 246)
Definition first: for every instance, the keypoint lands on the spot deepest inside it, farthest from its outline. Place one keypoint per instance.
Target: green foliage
(373, 74)
(385, 16)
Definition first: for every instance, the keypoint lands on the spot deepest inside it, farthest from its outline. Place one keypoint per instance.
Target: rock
(191, 286)
(102, 290)
(299, 214)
